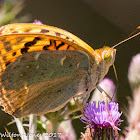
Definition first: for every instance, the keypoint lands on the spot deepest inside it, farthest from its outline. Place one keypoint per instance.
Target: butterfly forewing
(28, 28)
(36, 30)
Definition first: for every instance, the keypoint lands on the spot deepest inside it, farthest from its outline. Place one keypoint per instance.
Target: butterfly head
(106, 55)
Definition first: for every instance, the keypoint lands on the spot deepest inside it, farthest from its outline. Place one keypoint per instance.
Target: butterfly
(43, 67)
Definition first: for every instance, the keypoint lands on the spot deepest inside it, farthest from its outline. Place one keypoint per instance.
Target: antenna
(125, 40)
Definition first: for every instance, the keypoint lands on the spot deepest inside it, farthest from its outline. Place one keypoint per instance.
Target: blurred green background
(98, 23)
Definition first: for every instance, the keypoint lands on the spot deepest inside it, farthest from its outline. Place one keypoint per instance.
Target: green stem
(55, 126)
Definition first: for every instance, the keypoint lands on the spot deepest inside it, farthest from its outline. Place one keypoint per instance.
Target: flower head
(98, 116)
(98, 119)
(38, 22)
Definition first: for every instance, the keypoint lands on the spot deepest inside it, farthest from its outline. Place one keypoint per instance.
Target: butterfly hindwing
(43, 81)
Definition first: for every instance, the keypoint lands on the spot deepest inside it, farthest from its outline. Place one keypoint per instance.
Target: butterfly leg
(84, 101)
(107, 96)
(79, 107)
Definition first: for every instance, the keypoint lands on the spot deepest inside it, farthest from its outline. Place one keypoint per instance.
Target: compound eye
(107, 56)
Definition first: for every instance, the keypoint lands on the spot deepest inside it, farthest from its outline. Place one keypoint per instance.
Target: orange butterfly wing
(17, 39)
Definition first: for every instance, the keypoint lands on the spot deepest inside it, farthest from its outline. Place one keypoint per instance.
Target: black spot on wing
(28, 30)
(60, 45)
(6, 43)
(24, 50)
(57, 34)
(44, 31)
(8, 48)
(14, 53)
(7, 63)
(31, 43)
(38, 38)
(54, 42)
(46, 47)
(3, 39)
(19, 40)
(28, 44)
(4, 58)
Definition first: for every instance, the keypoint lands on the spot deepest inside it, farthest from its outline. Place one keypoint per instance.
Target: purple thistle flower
(97, 117)
(38, 22)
